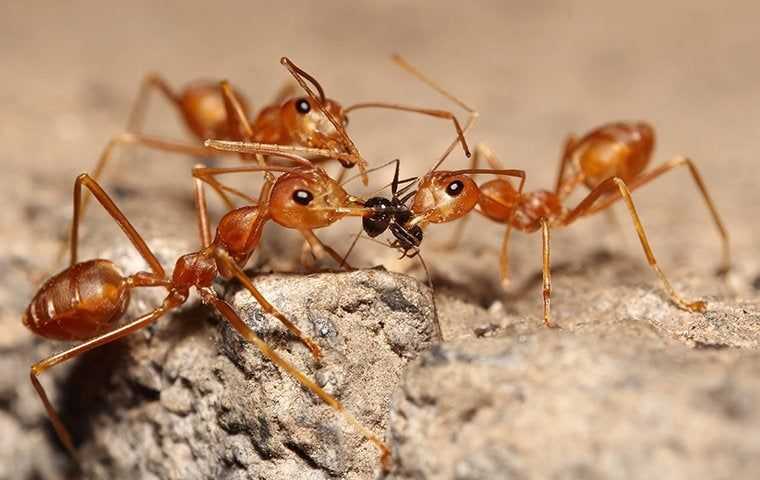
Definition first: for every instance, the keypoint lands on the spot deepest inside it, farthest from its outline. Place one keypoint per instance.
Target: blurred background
(536, 71)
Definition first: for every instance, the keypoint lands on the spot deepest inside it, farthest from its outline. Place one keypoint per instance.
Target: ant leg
(150, 142)
(246, 332)
(445, 114)
(151, 81)
(43, 365)
(666, 167)
(290, 152)
(199, 193)
(230, 264)
(608, 187)
(564, 187)
(117, 215)
(546, 273)
(320, 249)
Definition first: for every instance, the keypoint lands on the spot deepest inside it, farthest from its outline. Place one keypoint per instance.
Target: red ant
(311, 125)
(609, 160)
(84, 301)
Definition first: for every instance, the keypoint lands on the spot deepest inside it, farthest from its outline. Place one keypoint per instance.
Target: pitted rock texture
(192, 400)
(560, 405)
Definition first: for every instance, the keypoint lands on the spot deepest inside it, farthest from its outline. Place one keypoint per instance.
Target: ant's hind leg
(38, 368)
(151, 81)
(117, 215)
(668, 166)
(609, 186)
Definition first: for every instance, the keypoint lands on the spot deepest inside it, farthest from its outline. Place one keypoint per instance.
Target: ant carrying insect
(609, 160)
(84, 301)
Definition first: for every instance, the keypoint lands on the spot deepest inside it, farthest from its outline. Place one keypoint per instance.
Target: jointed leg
(268, 307)
(150, 142)
(610, 186)
(43, 365)
(201, 210)
(666, 167)
(562, 188)
(445, 114)
(547, 274)
(150, 82)
(229, 313)
(116, 214)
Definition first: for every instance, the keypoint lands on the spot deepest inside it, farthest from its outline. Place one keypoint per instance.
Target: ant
(309, 125)
(84, 301)
(609, 160)
(313, 125)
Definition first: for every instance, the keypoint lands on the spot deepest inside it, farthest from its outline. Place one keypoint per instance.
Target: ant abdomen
(79, 303)
(204, 111)
(620, 149)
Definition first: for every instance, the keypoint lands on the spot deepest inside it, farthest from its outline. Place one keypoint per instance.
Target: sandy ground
(535, 70)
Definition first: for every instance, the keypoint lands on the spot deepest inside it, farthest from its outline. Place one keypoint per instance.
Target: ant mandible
(609, 160)
(84, 301)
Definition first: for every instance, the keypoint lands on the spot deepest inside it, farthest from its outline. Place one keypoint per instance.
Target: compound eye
(302, 197)
(454, 188)
(303, 106)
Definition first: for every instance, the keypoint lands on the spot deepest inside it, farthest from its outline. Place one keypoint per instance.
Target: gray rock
(190, 399)
(557, 404)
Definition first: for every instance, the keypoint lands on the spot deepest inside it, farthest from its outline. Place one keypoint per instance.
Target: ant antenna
(374, 169)
(297, 71)
(299, 75)
(401, 62)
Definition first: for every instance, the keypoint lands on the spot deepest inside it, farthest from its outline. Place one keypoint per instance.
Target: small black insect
(393, 214)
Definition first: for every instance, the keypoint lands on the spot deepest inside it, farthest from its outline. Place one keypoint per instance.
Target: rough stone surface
(564, 405)
(192, 400)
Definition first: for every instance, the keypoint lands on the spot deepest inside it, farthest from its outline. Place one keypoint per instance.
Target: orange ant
(609, 160)
(311, 125)
(84, 301)
(218, 111)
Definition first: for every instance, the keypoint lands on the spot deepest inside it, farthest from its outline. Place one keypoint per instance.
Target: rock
(191, 399)
(614, 403)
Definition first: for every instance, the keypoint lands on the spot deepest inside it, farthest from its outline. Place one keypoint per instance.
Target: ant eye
(302, 106)
(302, 197)
(454, 188)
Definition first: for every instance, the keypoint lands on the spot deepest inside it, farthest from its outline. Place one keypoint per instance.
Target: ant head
(307, 197)
(444, 196)
(310, 127)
